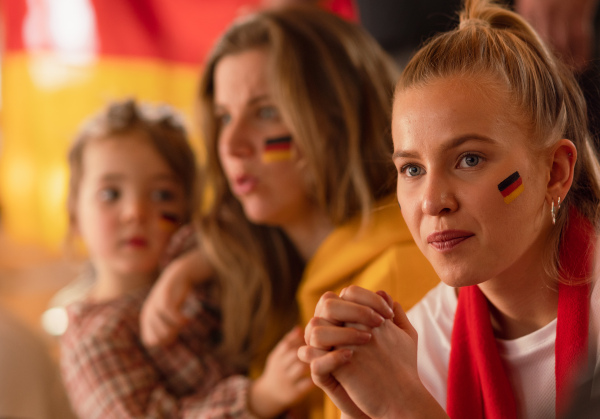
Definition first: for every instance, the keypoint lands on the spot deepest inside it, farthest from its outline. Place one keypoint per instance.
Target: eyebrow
(453, 143)
(253, 101)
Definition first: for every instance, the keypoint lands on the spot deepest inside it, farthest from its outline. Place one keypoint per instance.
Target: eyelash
(463, 156)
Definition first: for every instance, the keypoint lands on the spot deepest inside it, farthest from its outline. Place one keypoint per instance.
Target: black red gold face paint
(277, 149)
(511, 187)
(169, 221)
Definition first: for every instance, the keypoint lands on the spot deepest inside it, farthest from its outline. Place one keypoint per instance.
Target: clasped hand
(362, 352)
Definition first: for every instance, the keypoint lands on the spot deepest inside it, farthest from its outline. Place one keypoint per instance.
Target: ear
(563, 158)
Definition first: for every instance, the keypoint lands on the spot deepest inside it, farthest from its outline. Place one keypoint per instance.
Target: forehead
(241, 76)
(130, 153)
(448, 108)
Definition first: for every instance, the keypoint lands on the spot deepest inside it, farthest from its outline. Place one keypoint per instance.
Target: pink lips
(243, 185)
(446, 240)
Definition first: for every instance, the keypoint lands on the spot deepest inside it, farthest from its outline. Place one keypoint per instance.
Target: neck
(308, 233)
(109, 285)
(522, 299)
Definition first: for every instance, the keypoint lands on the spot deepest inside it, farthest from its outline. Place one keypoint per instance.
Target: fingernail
(377, 319)
(342, 292)
(364, 337)
(346, 354)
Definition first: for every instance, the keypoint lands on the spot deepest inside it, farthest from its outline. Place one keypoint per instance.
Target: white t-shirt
(529, 360)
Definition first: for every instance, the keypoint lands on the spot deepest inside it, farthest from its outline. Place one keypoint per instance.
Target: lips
(244, 184)
(137, 242)
(447, 240)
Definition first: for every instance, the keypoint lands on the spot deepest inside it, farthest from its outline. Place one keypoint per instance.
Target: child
(132, 185)
(500, 188)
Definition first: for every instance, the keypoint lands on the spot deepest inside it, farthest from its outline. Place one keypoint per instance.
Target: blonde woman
(500, 188)
(295, 109)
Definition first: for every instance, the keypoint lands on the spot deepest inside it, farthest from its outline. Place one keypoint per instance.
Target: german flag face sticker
(511, 187)
(277, 149)
(168, 221)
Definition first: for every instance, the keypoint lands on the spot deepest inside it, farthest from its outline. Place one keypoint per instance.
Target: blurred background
(62, 60)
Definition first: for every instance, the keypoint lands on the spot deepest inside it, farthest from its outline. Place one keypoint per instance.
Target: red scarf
(478, 386)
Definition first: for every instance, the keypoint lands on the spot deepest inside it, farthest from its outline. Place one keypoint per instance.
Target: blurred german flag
(65, 59)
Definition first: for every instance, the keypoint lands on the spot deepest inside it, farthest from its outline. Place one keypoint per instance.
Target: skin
(455, 139)
(125, 188)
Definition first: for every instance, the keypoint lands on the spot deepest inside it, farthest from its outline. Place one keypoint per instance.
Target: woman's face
(456, 141)
(256, 152)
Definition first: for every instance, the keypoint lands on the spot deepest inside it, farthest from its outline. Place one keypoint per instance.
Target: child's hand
(285, 380)
(161, 317)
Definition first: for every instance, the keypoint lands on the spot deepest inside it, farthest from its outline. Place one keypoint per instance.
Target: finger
(388, 299)
(329, 337)
(316, 322)
(368, 298)
(307, 354)
(401, 320)
(339, 312)
(322, 368)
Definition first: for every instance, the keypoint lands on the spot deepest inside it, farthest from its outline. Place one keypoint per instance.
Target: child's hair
(159, 125)
(496, 42)
(334, 86)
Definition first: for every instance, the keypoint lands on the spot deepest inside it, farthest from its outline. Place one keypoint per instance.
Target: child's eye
(268, 112)
(109, 194)
(162, 195)
(411, 170)
(469, 160)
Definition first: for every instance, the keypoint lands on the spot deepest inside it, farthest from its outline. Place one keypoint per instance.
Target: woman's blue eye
(470, 160)
(109, 194)
(411, 170)
(268, 112)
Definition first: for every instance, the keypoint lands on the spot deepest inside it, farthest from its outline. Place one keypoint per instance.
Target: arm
(161, 317)
(372, 378)
(565, 25)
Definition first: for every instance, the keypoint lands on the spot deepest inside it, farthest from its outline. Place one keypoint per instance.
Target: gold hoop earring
(554, 211)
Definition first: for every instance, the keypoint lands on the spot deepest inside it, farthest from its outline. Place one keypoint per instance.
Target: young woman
(295, 110)
(500, 188)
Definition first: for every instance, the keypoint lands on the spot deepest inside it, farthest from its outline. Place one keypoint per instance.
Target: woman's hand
(378, 377)
(285, 380)
(161, 317)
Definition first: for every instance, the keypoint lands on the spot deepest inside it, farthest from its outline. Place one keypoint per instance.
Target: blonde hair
(334, 86)
(494, 41)
(160, 126)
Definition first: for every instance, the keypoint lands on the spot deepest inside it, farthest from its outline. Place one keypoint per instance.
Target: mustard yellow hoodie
(381, 256)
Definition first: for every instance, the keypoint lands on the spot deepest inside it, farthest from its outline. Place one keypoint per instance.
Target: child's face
(127, 203)
(271, 190)
(455, 141)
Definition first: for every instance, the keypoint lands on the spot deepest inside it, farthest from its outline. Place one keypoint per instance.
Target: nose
(234, 140)
(135, 209)
(438, 196)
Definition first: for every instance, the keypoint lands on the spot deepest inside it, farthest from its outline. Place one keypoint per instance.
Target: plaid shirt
(108, 372)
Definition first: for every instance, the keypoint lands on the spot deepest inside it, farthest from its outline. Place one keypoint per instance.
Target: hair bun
(468, 22)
